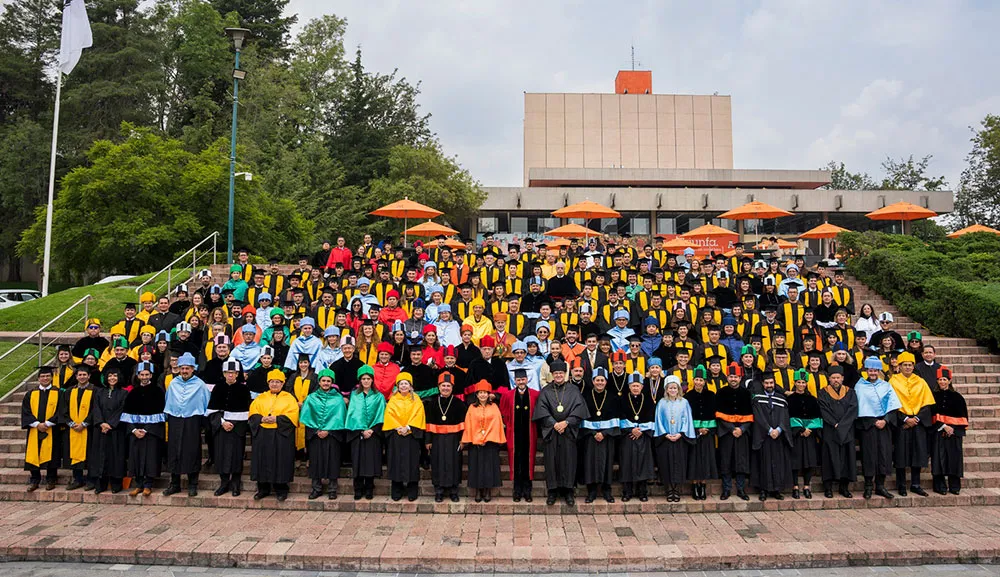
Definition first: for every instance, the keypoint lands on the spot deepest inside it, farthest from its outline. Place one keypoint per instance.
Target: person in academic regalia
(951, 419)
(109, 450)
(483, 436)
(771, 458)
(916, 418)
(559, 411)
(734, 419)
(636, 419)
(273, 419)
(878, 412)
(445, 415)
(403, 425)
(40, 416)
(365, 413)
(673, 437)
(517, 406)
(186, 406)
(838, 407)
(806, 431)
(300, 384)
(599, 435)
(145, 425)
(228, 414)
(256, 378)
(324, 415)
(702, 462)
(78, 402)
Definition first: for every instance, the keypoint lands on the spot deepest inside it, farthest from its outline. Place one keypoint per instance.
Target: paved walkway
(495, 543)
(33, 569)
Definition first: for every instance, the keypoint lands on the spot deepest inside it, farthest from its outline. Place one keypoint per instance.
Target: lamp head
(238, 35)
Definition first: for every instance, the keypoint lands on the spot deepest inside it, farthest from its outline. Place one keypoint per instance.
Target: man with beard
(770, 465)
(838, 407)
(560, 410)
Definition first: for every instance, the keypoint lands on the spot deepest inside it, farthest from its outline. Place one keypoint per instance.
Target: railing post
(170, 271)
(40, 338)
(215, 239)
(86, 313)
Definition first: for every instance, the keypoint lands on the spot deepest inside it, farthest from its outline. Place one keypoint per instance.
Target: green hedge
(951, 286)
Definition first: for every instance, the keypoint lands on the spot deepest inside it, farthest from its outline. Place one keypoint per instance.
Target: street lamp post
(238, 35)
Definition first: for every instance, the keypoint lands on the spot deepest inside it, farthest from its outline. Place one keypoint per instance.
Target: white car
(11, 297)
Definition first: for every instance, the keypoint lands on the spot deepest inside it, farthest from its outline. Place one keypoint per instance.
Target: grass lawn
(107, 304)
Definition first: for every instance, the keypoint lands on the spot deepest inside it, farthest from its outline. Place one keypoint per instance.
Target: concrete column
(652, 226)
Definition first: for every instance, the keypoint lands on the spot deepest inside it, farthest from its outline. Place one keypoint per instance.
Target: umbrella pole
(404, 232)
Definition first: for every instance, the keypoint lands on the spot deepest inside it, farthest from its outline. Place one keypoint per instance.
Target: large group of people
(624, 365)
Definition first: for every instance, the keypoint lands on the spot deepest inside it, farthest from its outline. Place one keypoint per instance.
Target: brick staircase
(977, 376)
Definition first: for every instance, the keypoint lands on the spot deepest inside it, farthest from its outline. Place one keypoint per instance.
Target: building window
(488, 224)
(639, 225)
(546, 224)
(666, 225)
(519, 224)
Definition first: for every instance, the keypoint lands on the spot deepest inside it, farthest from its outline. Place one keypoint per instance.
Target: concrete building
(665, 161)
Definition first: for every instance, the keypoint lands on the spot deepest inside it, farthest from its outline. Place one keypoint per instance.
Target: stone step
(982, 464)
(504, 506)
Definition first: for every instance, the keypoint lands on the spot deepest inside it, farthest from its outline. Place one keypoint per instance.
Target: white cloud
(871, 97)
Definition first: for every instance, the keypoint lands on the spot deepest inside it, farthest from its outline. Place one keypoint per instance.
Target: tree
(909, 174)
(319, 67)
(424, 173)
(376, 113)
(978, 197)
(24, 163)
(142, 200)
(269, 29)
(842, 179)
(29, 38)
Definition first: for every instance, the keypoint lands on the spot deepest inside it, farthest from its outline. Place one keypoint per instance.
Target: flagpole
(52, 188)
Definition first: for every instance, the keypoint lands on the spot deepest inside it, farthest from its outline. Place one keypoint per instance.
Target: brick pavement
(496, 543)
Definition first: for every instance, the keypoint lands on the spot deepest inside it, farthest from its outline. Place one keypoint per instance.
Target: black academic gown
(838, 452)
(946, 452)
(273, 457)
(771, 464)
(876, 444)
(110, 450)
(702, 463)
(28, 417)
(445, 423)
(635, 456)
(558, 403)
(599, 456)
(257, 380)
(806, 450)
(145, 455)
(909, 446)
(734, 453)
(230, 403)
(85, 418)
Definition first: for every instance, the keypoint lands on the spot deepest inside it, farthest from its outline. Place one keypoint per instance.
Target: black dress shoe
(846, 493)
(221, 490)
(315, 494)
(479, 497)
(807, 493)
(570, 499)
(527, 498)
(517, 498)
(795, 493)
(763, 496)
(193, 491)
(901, 491)
(778, 496)
(369, 494)
(954, 491)
(940, 491)
(32, 487)
(261, 495)
(882, 492)
(439, 498)
(609, 497)
(724, 496)
(98, 490)
(918, 491)
(487, 497)
(282, 496)
(73, 485)
(626, 498)
(551, 500)
(332, 495)
(171, 490)
(589, 498)
(642, 498)
(828, 493)
(868, 493)
(89, 486)
(743, 495)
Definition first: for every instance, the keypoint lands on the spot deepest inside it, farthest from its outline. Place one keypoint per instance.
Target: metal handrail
(38, 333)
(193, 251)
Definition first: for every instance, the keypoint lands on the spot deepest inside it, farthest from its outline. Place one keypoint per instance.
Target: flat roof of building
(677, 177)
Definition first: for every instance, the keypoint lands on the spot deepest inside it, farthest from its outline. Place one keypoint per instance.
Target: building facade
(665, 162)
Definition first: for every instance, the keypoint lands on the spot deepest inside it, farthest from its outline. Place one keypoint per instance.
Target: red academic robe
(507, 412)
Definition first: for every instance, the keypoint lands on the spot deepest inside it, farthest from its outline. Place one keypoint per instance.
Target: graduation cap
(45, 370)
(130, 305)
(770, 308)
(273, 261)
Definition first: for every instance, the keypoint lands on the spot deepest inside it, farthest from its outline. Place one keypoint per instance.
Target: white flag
(75, 34)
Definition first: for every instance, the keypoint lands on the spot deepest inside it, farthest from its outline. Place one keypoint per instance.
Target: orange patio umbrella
(454, 244)
(825, 230)
(973, 228)
(678, 243)
(901, 211)
(755, 210)
(557, 243)
(707, 230)
(587, 209)
(570, 231)
(406, 209)
(431, 229)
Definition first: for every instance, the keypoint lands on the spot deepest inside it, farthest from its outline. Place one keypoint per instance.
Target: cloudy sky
(811, 81)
